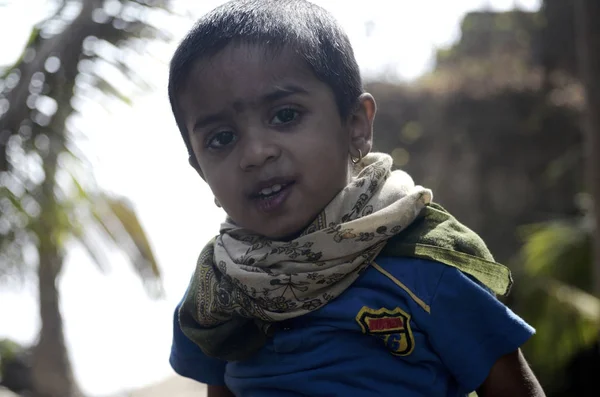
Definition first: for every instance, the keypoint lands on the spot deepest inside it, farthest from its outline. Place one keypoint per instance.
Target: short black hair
(307, 29)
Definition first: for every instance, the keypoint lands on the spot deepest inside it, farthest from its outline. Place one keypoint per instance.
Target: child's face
(269, 139)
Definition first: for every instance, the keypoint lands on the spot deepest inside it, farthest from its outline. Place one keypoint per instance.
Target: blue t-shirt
(406, 327)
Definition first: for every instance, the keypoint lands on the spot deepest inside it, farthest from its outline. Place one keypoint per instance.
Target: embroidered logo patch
(392, 326)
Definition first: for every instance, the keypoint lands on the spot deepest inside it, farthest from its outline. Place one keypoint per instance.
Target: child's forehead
(251, 65)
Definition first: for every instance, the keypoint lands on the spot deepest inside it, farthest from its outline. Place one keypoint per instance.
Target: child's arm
(511, 376)
(218, 391)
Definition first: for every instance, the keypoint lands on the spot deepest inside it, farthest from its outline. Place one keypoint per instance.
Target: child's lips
(275, 201)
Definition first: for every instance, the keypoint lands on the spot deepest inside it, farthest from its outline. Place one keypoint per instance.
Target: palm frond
(122, 227)
(585, 305)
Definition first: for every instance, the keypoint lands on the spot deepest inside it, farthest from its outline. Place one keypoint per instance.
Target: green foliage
(559, 250)
(9, 349)
(555, 295)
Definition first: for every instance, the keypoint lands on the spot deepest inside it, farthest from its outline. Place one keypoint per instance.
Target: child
(332, 275)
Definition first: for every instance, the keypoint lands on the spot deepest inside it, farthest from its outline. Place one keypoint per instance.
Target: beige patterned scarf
(244, 281)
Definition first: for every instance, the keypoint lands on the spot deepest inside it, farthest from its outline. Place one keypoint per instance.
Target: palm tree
(49, 200)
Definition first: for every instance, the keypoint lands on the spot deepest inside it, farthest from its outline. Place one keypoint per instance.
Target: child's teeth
(270, 190)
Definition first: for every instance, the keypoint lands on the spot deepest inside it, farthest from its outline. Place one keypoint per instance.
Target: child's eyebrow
(276, 94)
(207, 120)
(283, 92)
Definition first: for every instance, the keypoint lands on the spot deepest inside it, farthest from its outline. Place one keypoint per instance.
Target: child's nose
(256, 151)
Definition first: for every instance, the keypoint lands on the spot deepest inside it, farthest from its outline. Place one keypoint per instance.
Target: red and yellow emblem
(392, 326)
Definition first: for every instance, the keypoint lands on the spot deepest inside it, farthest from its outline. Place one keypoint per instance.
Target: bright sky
(118, 338)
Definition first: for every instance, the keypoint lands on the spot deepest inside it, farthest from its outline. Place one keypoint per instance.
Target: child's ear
(361, 125)
(194, 163)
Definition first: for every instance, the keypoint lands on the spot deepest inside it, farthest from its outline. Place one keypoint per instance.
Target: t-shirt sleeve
(470, 329)
(188, 360)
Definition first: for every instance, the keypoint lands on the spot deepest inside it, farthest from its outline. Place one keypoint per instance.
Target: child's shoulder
(405, 277)
(417, 283)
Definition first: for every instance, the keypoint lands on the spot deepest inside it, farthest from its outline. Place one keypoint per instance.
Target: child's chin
(286, 234)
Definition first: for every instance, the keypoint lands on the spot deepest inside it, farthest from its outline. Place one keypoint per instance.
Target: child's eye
(220, 140)
(285, 116)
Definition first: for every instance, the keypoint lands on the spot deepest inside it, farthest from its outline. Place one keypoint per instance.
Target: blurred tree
(48, 196)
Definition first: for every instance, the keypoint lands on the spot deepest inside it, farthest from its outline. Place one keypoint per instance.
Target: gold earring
(217, 203)
(356, 160)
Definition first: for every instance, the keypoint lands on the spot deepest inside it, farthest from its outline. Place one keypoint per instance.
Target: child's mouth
(271, 198)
